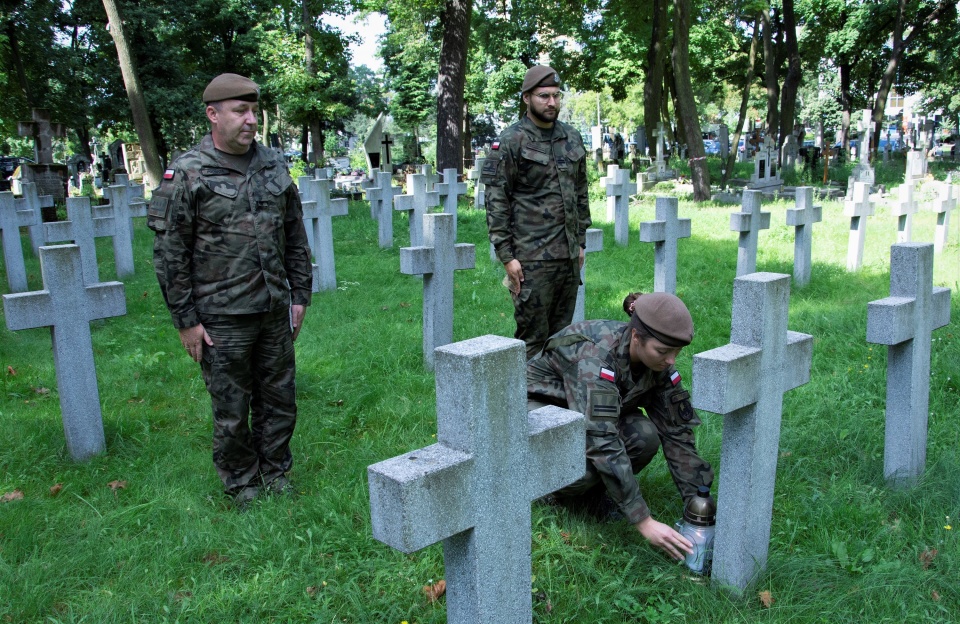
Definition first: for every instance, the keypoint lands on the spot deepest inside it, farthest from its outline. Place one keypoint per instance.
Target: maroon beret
(231, 87)
(540, 76)
(665, 317)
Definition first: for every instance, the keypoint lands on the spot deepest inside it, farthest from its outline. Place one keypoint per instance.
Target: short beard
(541, 117)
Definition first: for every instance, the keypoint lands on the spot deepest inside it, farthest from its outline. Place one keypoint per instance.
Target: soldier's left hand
(297, 312)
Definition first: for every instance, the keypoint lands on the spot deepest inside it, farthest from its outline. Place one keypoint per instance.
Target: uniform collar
(210, 157)
(533, 130)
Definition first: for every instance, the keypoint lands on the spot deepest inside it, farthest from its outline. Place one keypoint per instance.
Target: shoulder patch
(495, 146)
(168, 174)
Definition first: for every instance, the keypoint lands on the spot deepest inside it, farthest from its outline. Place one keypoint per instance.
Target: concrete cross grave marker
(903, 209)
(126, 203)
(610, 178)
(82, 228)
(943, 205)
(858, 208)
(594, 243)
(745, 381)
(904, 322)
(10, 221)
(320, 229)
(479, 190)
(621, 191)
(416, 201)
(381, 206)
(472, 489)
(66, 305)
(448, 193)
(426, 169)
(749, 221)
(664, 233)
(802, 219)
(436, 261)
(30, 210)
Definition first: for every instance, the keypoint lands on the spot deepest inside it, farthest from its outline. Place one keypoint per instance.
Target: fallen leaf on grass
(786, 454)
(926, 557)
(565, 536)
(179, 596)
(215, 558)
(766, 598)
(117, 485)
(11, 496)
(337, 403)
(436, 590)
(404, 304)
(935, 595)
(55, 489)
(134, 400)
(42, 390)
(384, 308)
(144, 295)
(11, 371)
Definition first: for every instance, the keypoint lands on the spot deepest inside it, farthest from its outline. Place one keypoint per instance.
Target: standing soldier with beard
(537, 210)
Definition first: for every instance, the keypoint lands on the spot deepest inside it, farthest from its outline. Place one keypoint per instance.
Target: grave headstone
(790, 152)
(620, 192)
(479, 189)
(594, 243)
(436, 261)
(610, 178)
(449, 192)
(745, 381)
(66, 305)
(904, 322)
(724, 142)
(766, 176)
(126, 203)
(943, 205)
(50, 178)
(858, 208)
(416, 201)
(916, 166)
(749, 221)
(30, 210)
(320, 229)
(664, 232)
(426, 169)
(82, 228)
(10, 221)
(372, 148)
(472, 489)
(802, 219)
(904, 209)
(381, 205)
(641, 141)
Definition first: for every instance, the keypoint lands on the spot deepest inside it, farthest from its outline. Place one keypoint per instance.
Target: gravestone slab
(903, 209)
(82, 228)
(620, 192)
(610, 178)
(802, 219)
(479, 189)
(66, 305)
(745, 381)
(320, 232)
(766, 176)
(436, 261)
(904, 322)
(749, 221)
(664, 234)
(449, 192)
(594, 243)
(381, 206)
(943, 205)
(916, 166)
(416, 202)
(473, 488)
(858, 208)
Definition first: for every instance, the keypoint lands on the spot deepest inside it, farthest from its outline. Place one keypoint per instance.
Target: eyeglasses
(546, 97)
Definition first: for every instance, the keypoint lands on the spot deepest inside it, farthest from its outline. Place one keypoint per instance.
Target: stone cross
(594, 243)
(946, 201)
(904, 321)
(745, 381)
(43, 133)
(664, 234)
(621, 191)
(381, 206)
(448, 193)
(126, 202)
(436, 260)
(432, 178)
(610, 178)
(416, 202)
(30, 210)
(802, 218)
(749, 221)
(472, 489)
(66, 305)
(320, 229)
(479, 190)
(858, 208)
(866, 130)
(904, 209)
(10, 221)
(83, 229)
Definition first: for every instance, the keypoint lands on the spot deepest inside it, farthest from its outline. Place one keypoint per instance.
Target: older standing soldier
(233, 264)
(537, 210)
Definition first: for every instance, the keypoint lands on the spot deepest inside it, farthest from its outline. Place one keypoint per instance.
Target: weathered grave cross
(416, 202)
(904, 209)
(610, 178)
(66, 305)
(621, 191)
(436, 260)
(594, 242)
(946, 201)
(473, 488)
(664, 233)
(449, 192)
(858, 208)
(126, 202)
(320, 229)
(749, 221)
(802, 218)
(83, 229)
(29, 209)
(10, 221)
(381, 206)
(745, 381)
(904, 322)
(479, 191)
(43, 132)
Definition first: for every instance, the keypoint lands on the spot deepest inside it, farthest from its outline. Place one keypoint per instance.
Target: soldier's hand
(297, 312)
(583, 256)
(664, 538)
(514, 275)
(193, 338)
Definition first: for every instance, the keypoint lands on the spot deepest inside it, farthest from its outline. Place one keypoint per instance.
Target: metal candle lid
(701, 510)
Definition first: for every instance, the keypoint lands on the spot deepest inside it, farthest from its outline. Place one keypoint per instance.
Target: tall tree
(686, 104)
(653, 79)
(450, 83)
(791, 82)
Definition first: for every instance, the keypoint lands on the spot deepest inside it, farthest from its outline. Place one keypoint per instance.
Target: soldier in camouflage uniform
(610, 371)
(537, 210)
(233, 263)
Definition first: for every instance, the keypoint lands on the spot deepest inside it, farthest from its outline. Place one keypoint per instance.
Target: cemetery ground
(142, 533)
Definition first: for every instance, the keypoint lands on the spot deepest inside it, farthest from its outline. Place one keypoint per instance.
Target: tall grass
(167, 546)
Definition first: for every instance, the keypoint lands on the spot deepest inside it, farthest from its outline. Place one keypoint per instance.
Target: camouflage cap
(540, 76)
(231, 87)
(665, 317)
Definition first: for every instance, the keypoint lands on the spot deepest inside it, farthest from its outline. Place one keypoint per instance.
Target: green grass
(168, 547)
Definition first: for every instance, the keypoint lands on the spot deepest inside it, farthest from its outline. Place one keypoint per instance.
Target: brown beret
(231, 87)
(665, 317)
(540, 76)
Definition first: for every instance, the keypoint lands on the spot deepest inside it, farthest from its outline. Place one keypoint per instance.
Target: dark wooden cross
(42, 132)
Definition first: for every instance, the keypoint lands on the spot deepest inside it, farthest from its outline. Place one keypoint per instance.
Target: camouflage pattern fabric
(586, 367)
(545, 305)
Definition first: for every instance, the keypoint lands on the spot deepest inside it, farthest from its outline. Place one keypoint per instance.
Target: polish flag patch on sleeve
(675, 378)
(168, 174)
(606, 373)
(496, 145)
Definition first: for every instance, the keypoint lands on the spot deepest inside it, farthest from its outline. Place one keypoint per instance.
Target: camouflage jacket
(536, 193)
(586, 368)
(227, 241)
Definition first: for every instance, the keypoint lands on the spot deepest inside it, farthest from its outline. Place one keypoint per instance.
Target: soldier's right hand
(193, 338)
(664, 538)
(514, 275)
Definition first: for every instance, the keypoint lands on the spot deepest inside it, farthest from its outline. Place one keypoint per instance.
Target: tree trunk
(466, 137)
(138, 105)
(791, 83)
(846, 104)
(313, 123)
(17, 62)
(688, 106)
(653, 80)
(450, 84)
(770, 73)
(744, 104)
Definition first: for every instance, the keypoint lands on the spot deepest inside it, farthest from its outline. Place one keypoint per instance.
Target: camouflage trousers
(250, 374)
(548, 296)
